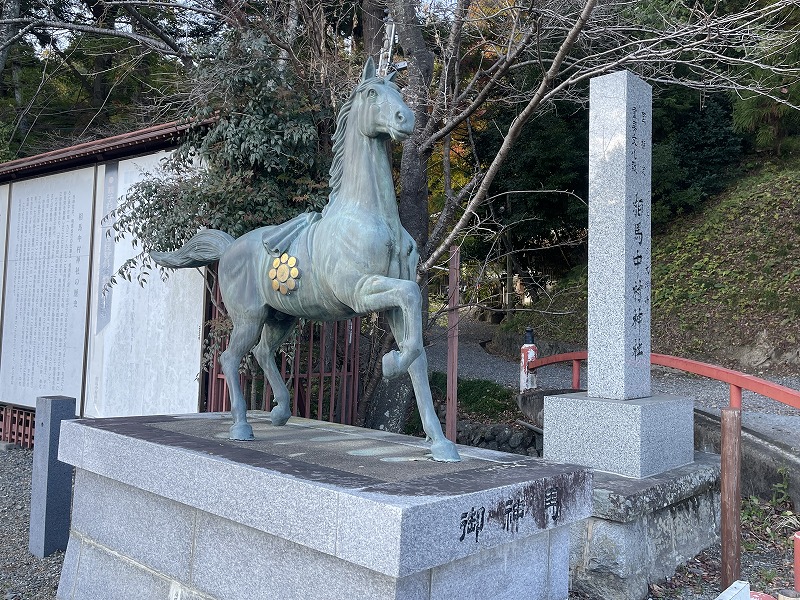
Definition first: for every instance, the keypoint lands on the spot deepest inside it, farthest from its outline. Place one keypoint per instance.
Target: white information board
(4, 194)
(145, 342)
(46, 287)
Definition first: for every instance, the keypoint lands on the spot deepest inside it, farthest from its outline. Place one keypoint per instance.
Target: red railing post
(5, 424)
(797, 561)
(355, 368)
(731, 496)
(736, 397)
(576, 374)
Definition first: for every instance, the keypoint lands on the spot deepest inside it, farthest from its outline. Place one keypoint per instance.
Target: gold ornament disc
(283, 273)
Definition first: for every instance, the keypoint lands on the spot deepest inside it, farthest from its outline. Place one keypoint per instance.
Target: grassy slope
(722, 278)
(730, 275)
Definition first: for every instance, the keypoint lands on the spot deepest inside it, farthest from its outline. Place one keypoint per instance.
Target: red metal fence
(321, 370)
(17, 425)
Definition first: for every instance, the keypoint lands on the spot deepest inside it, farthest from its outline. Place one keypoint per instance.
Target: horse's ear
(390, 77)
(369, 70)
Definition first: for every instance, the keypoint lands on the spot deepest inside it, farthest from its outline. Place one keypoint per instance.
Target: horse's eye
(371, 93)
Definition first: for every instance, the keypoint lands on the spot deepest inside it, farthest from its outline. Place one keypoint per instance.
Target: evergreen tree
(695, 150)
(253, 156)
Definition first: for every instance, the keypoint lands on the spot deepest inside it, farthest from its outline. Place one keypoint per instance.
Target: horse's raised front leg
(272, 336)
(243, 337)
(376, 293)
(442, 449)
(402, 299)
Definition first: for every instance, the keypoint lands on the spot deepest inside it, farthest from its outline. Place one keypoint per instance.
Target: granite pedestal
(168, 507)
(656, 501)
(633, 438)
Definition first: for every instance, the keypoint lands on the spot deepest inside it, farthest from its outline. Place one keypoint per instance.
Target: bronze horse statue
(354, 258)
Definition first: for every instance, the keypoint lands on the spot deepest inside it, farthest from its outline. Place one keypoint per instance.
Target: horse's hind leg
(442, 449)
(243, 337)
(272, 336)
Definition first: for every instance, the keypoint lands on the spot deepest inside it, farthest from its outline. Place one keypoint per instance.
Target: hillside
(726, 280)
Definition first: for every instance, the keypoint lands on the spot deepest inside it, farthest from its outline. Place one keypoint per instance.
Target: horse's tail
(204, 248)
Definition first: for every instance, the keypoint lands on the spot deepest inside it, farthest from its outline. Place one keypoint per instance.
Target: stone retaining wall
(503, 437)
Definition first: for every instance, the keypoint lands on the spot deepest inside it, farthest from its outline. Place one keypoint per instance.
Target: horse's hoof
(279, 417)
(391, 364)
(241, 431)
(445, 451)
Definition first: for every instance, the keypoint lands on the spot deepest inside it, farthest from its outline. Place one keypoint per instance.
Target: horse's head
(382, 110)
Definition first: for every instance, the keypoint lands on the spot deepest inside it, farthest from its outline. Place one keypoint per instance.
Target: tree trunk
(372, 27)
(101, 86)
(414, 165)
(10, 11)
(414, 192)
(16, 78)
(104, 16)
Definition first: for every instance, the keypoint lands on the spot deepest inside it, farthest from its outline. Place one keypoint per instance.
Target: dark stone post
(51, 485)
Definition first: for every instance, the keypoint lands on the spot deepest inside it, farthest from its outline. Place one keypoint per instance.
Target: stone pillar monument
(654, 500)
(619, 237)
(617, 426)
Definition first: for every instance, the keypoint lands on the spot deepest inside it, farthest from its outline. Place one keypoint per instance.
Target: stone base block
(640, 531)
(167, 507)
(633, 438)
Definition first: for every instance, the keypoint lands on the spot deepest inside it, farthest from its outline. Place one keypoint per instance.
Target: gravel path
(22, 576)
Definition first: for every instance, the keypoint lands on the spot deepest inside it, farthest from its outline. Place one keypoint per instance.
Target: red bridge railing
(730, 445)
(737, 381)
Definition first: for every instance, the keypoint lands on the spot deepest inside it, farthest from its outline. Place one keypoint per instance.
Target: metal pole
(451, 426)
(508, 300)
(731, 496)
(388, 47)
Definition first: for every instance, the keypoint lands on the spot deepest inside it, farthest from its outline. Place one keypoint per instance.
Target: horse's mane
(337, 166)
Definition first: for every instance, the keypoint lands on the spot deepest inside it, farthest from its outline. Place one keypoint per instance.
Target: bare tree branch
(173, 5)
(514, 131)
(159, 33)
(149, 42)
